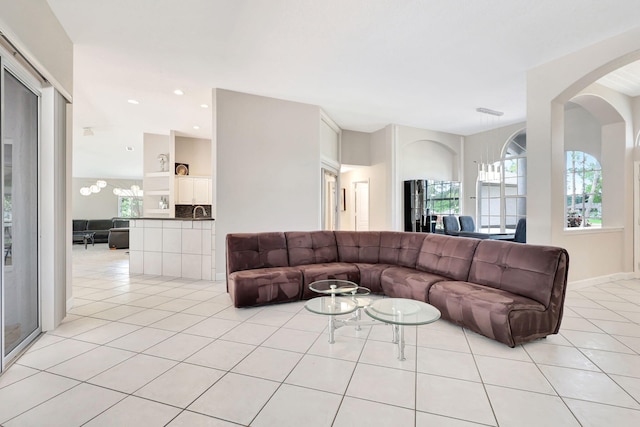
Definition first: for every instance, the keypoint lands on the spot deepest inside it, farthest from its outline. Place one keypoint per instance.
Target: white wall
(356, 148)
(35, 31)
(595, 252)
(196, 152)
(381, 180)
(267, 166)
(102, 205)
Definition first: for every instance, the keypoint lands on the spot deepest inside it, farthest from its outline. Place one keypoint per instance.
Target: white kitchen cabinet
(193, 191)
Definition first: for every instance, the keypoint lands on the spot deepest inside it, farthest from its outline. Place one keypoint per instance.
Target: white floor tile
(109, 332)
(615, 363)
(384, 385)
(322, 373)
(26, 394)
(447, 364)
(212, 327)
(179, 346)
(15, 374)
(133, 373)
(358, 412)
(385, 353)
(134, 411)
(346, 348)
(78, 326)
(221, 354)
(178, 322)
(141, 339)
(146, 317)
(249, 333)
(292, 340)
(527, 409)
(271, 317)
(51, 355)
(429, 420)
(180, 385)
(91, 363)
(568, 357)
(71, 408)
(585, 385)
(268, 363)
(454, 398)
(293, 406)
(235, 398)
(513, 373)
(591, 414)
(191, 419)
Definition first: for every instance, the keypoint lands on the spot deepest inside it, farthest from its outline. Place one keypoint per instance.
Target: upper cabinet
(193, 190)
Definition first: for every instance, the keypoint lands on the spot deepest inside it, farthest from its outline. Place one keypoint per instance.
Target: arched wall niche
(596, 253)
(427, 159)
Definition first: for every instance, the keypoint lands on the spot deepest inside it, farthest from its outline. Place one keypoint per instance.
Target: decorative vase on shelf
(164, 161)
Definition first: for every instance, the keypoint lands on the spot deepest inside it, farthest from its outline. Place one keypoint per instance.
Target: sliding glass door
(20, 299)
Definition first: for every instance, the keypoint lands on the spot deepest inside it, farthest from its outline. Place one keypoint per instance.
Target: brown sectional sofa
(510, 292)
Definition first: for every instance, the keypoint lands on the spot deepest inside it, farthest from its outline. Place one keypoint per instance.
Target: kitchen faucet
(204, 211)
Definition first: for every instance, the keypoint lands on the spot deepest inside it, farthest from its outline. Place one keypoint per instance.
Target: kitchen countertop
(176, 219)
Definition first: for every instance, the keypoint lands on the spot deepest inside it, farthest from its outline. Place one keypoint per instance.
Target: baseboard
(580, 284)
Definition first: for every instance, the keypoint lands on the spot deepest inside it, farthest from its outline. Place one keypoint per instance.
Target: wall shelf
(156, 174)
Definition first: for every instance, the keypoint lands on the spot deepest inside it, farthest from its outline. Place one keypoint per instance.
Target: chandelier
(133, 191)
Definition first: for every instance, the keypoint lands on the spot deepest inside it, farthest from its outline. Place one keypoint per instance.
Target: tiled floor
(155, 351)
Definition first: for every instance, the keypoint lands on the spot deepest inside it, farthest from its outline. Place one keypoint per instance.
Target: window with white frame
(129, 206)
(502, 188)
(584, 190)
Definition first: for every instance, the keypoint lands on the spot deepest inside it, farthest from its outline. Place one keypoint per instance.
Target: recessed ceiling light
(204, 105)
(133, 101)
(129, 148)
(178, 92)
(196, 127)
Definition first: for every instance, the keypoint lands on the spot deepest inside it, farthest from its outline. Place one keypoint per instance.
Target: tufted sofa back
(311, 247)
(447, 257)
(399, 248)
(358, 246)
(248, 251)
(528, 270)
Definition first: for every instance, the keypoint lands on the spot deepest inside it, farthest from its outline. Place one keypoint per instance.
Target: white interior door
(329, 199)
(362, 206)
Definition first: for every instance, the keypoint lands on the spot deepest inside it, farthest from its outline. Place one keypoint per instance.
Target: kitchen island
(177, 247)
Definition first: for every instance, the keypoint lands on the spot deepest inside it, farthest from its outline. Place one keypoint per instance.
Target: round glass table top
(331, 305)
(333, 286)
(401, 311)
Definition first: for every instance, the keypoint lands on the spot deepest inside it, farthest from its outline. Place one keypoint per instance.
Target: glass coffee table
(346, 297)
(400, 312)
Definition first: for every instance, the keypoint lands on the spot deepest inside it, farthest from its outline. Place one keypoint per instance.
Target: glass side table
(331, 306)
(399, 312)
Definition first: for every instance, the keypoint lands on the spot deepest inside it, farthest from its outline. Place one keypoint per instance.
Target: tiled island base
(172, 247)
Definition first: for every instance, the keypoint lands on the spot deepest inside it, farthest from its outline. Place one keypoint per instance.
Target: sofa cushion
(324, 271)
(447, 257)
(526, 270)
(403, 282)
(358, 246)
(264, 286)
(256, 250)
(398, 248)
(79, 224)
(311, 247)
(370, 276)
(99, 225)
(494, 313)
(120, 223)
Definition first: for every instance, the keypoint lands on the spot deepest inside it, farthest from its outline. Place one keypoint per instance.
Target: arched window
(584, 190)
(502, 188)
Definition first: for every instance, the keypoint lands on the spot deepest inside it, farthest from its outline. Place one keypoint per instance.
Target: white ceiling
(367, 63)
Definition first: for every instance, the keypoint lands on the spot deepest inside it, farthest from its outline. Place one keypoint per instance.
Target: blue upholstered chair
(450, 224)
(521, 231)
(467, 223)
